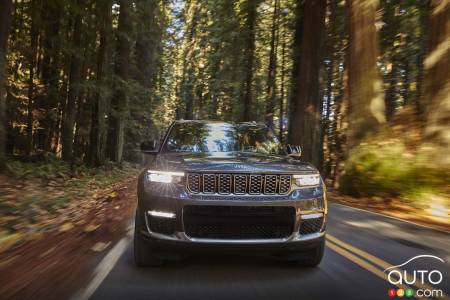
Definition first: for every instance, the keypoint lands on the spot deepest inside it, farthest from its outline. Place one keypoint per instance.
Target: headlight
(164, 176)
(307, 180)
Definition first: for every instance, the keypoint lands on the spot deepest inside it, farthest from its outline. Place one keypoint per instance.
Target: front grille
(238, 222)
(310, 226)
(238, 184)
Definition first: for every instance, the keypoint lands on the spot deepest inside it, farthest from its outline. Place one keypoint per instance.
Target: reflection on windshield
(222, 137)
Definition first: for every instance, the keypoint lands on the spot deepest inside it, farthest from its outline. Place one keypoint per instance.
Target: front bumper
(171, 200)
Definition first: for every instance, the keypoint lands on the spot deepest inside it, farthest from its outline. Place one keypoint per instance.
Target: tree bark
(282, 89)
(97, 133)
(67, 136)
(34, 34)
(272, 69)
(306, 114)
(119, 101)
(295, 66)
(186, 110)
(146, 42)
(436, 86)
(249, 56)
(5, 26)
(366, 99)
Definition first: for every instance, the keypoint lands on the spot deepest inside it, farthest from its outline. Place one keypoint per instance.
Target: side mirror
(149, 147)
(294, 151)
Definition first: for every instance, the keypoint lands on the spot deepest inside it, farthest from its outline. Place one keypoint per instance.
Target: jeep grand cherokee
(228, 186)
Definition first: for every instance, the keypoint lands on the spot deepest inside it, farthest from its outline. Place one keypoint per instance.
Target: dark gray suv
(216, 186)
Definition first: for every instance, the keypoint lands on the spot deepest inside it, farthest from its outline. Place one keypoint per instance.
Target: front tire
(143, 254)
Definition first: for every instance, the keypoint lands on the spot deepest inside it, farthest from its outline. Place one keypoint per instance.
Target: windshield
(222, 137)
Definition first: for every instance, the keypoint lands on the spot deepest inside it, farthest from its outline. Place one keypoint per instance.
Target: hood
(233, 162)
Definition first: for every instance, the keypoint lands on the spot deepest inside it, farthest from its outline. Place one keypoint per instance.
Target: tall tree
(306, 108)
(5, 24)
(119, 101)
(34, 35)
(298, 32)
(67, 137)
(436, 93)
(272, 69)
(51, 74)
(250, 7)
(282, 87)
(366, 99)
(187, 82)
(98, 109)
(146, 42)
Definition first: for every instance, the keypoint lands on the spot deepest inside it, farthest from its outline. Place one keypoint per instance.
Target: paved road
(360, 245)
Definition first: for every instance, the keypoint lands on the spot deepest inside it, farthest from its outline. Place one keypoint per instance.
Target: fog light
(161, 214)
(311, 204)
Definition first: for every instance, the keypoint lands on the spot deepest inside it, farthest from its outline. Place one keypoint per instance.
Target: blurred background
(362, 86)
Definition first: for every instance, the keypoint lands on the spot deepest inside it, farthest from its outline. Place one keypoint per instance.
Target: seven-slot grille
(238, 184)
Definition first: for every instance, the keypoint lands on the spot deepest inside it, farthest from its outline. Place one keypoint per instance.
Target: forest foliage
(362, 86)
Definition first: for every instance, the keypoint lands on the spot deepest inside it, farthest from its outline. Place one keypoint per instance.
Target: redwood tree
(305, 123)
(119, 101)
(436, 93)
(5, 24)
(366, 99)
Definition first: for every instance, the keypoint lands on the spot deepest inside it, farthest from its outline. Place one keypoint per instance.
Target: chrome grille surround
(255, 186)
(209, 183)
(238, 184)
(224, 184)
(270, 184)
(194, 182)
(284, 184)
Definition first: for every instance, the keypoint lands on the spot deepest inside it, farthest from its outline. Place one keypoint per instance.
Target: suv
(228, 186)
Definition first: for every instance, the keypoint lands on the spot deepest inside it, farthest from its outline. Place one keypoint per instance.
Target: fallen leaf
(9, 240)
(65, 227)
(100, 246)
(91, 227)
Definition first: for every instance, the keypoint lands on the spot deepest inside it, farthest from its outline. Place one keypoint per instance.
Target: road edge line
(104, 268)
(394, 218)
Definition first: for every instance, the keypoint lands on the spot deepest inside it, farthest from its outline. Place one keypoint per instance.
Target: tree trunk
(119, 101)
(282, 92)
(271, 76)
(34, 34)
(295, 66)
(146, 42)
(5, 24)
(74, 86)
(436, 86)
(249, 56)
(306, 115)
(97, 133)
(366, 99)
(51, 43)
(186, 110)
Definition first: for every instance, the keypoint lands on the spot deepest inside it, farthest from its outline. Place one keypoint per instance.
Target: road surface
(360, 245)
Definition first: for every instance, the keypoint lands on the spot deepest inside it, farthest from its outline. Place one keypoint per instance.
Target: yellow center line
(362, 263)
(375, 260)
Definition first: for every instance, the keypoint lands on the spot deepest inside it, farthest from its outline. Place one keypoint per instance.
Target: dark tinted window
(221, 137)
